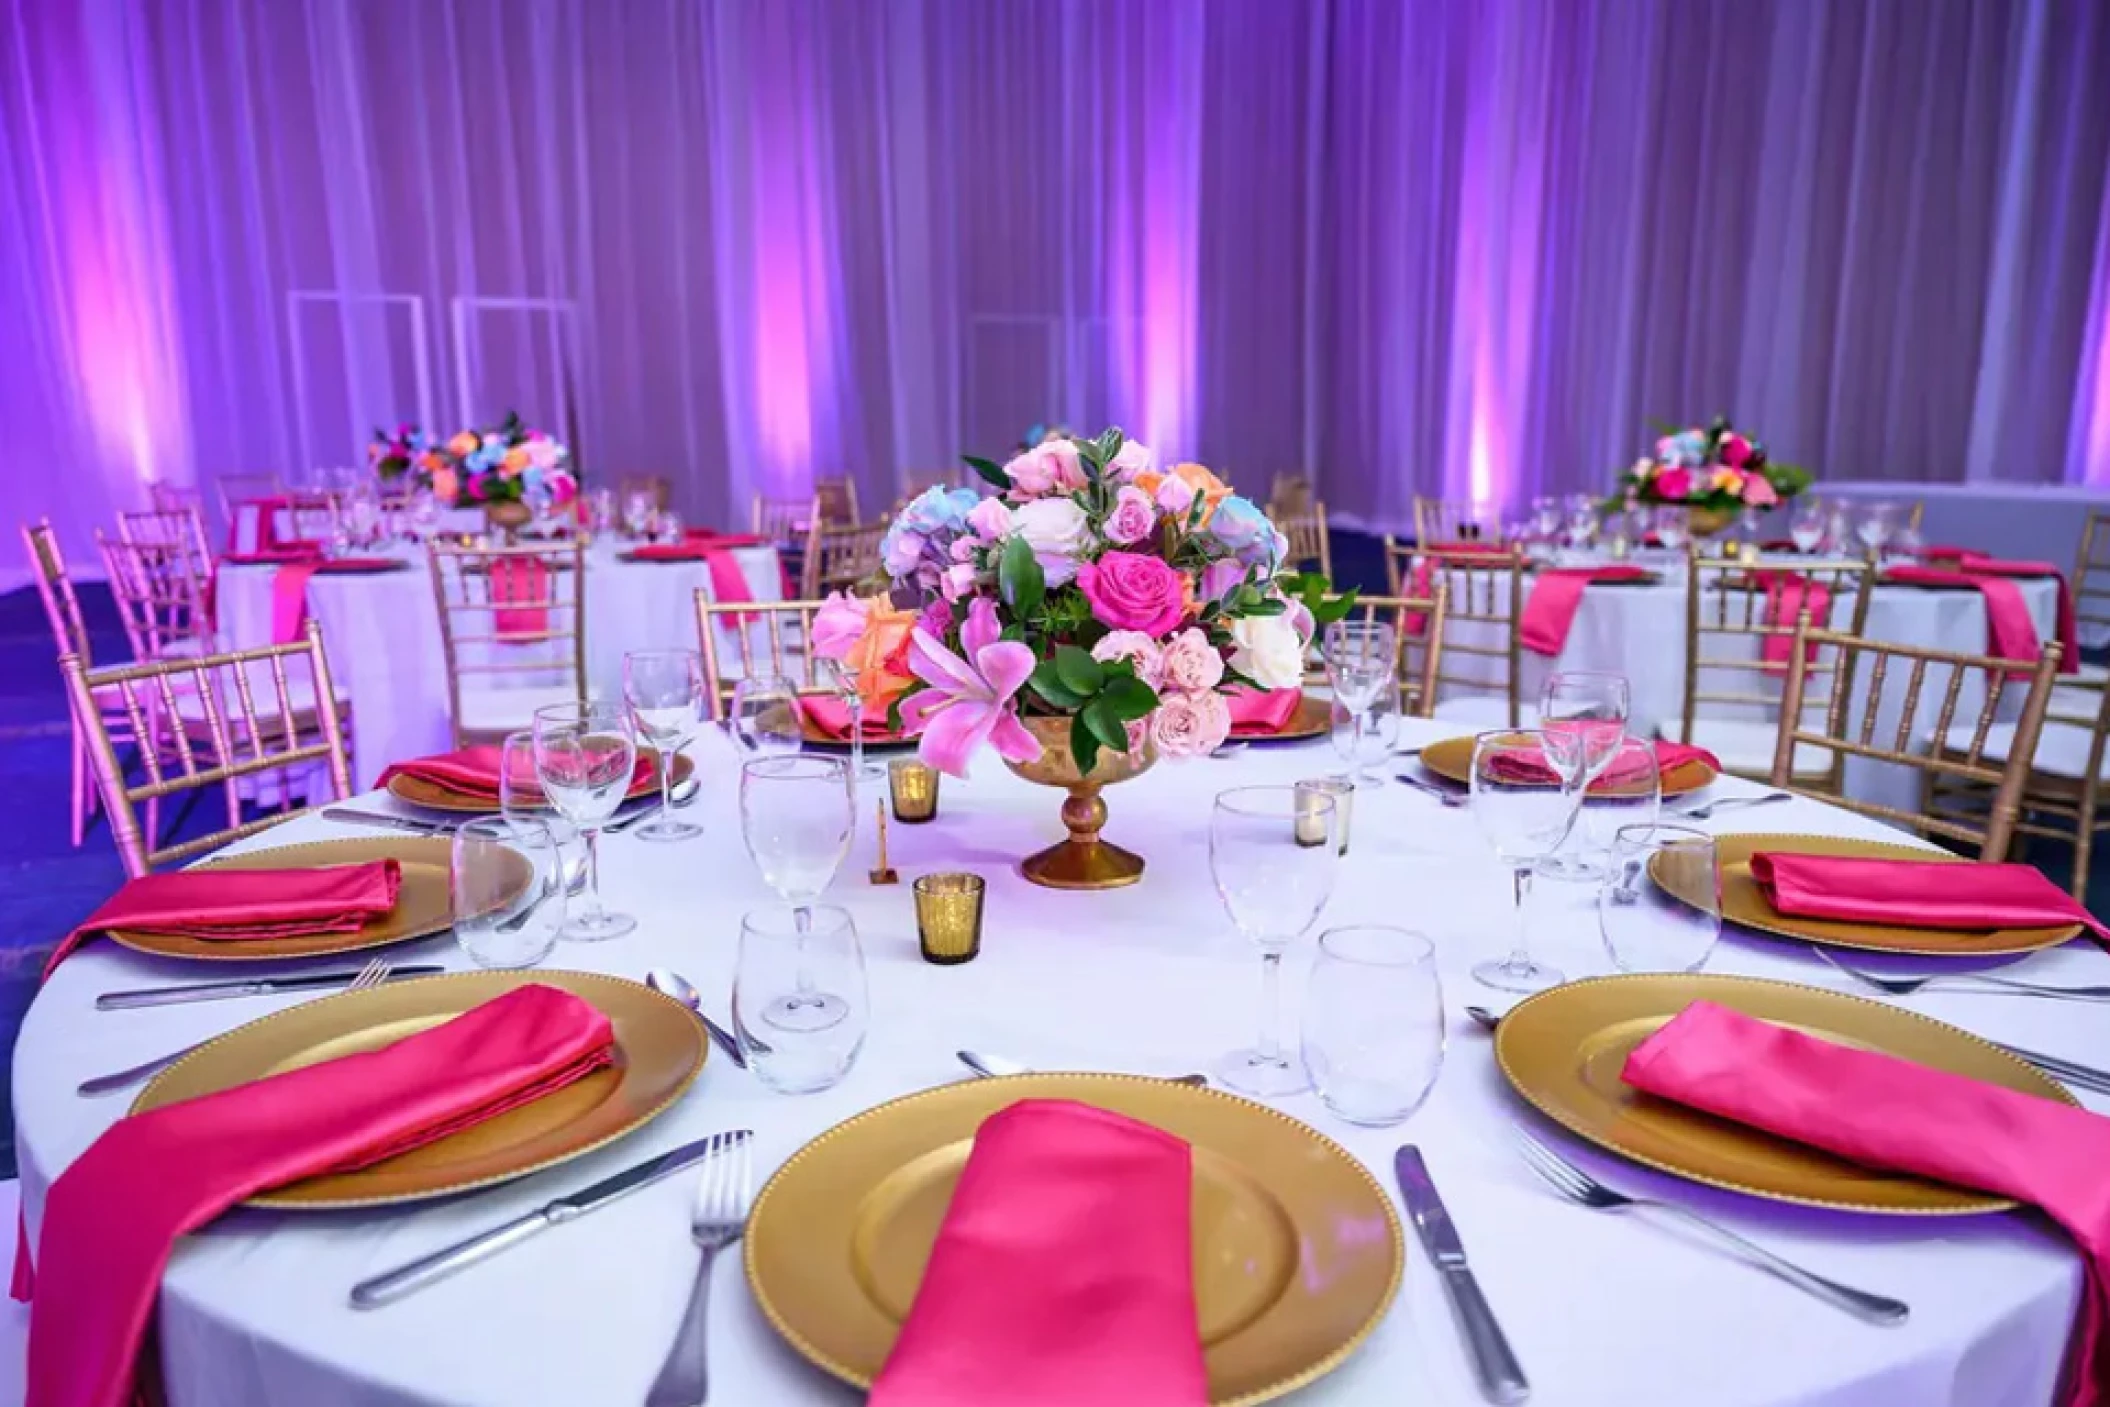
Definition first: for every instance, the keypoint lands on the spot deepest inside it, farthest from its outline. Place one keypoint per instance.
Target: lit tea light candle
(1321, 803)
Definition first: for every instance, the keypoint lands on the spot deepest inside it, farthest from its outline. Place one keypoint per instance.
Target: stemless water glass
(797, 957)
(520, 798)
(796, 819)
(664, 689)
(1273, 883)
(765, 716)
(505, 889)
(1669, 524)
(1373, 1022)
(1660, 909)
(1807, 526)
(1525, 808)
(585, 755)
(1362, 660)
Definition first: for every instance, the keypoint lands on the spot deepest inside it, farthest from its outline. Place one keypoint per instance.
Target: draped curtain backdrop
(1411, 245)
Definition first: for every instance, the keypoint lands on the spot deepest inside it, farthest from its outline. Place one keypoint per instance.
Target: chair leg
(2083, 847)
(81, 786)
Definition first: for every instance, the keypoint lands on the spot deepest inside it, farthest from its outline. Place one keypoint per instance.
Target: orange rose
(880, 656)
(462, 445)
(516, 459)
(1148, 481)
(1211, 489)
(444, 484)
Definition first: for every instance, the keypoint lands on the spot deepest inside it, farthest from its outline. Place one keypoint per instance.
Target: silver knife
(354, 816)
(1494, 1363)
(245, 987)
(426, 1270)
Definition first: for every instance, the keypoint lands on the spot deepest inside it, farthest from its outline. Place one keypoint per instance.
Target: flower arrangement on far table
(1715, 469)
(404, 453)
(508, 463)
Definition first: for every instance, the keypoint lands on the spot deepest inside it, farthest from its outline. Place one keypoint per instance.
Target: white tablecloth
(1603, 1310)
(382, 634)
(2036, 522)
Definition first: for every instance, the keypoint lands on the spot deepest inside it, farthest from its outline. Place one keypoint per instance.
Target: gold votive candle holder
(949, 917)
(914, 785)
(1312, 820)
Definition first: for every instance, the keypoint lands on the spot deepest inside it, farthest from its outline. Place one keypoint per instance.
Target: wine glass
(585, 756)
(790, 957)
(1583, 713)
(796, 820)
(664, 689)
(1525, 807)
(765, 716)
(1626, 791)
(1874, 527)
(520, 799)
(1273, 854)
(1807, 526)
(598, 511)
(1670, 524)
(1660, 909)
(1546, 518)
(424, 515)
(638, 507)
(1362, 659)
(843, 675)
(1582, 521)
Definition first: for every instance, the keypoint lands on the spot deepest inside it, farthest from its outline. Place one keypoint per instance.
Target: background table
(1603, 1309)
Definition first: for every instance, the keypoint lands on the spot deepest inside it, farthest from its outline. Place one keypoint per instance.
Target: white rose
(1057, 531)
(1268, 651)
(1130, 460)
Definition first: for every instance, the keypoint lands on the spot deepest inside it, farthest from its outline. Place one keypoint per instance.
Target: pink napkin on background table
(1788, 594)
(112, 1219)
(1883, 1112)
(519, 587)
(273, 556)
(1063, 1275)
(1257, 714)
(2068, 625)
(2010, 633)
(728, 582)
(1916, 893)
(289, 590)
(1522, 769)
(832, 716)
(1556, 595)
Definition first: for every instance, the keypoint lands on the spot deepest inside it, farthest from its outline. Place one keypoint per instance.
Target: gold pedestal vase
(1083, 861)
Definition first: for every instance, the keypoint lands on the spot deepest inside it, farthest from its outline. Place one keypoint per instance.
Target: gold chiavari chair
(180, 528)
(234, 490)
(1417, 624)
(163, 594)
(835, 503)
(1289, 496)
(766, 637)
(914, 486)
(243, 716)
(659, 486)
(173, 498)
(2091, 606)
(839, 558)
(1967, 763)
(782, 520)
(1732, 698)
(1483, 644)
(1310, 546)
(1438, 520)
(312, 516)
(512, 631)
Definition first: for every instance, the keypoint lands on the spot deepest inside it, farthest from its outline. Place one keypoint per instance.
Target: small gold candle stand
(914, 785)
(949, 917)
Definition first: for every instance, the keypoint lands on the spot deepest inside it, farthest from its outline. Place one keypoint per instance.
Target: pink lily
(968, 702)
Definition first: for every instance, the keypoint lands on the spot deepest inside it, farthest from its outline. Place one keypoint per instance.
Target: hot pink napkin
(289, 590)
(1523, 769)
(244, 904)
(272, 556)
(112, 1219)
(1916, 893)
(1883, 1112)
(2010, 634)
(708, 537)
(266, 511)
(472, 772)
(1549, 612)
(1063, 1275)
(522, 580)
(1466, 545)
(1255, 714)
(2069, 629)
(832, 716)
(728, 582)
(1788, 594)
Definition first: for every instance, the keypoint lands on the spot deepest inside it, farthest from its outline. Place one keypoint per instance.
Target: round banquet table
(1601, 1309)
(382, 634)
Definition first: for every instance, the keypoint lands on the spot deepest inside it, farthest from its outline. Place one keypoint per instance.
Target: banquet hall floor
(46, 886)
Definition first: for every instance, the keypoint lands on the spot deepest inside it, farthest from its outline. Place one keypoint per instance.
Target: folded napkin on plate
(1258, 714)
(273, 556)
(1465, 546)
(472, 773)
(1063, 1274)
(111, 1219)
(728, 582)
(832, 716)
(244, 905)
(1524, 769)
(1556, 595)
(1916, 893)
(1883, 1112)
(2010, 633)
(706, 537)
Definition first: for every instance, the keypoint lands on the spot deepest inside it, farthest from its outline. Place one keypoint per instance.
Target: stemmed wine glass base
(598, 928)
(669, 829)
(1264, 1077)
(806, 1011)
(1570, 868)
(1510, 975)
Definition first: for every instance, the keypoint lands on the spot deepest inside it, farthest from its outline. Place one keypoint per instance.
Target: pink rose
(1138, 649)
(838, 625)
(963, 549)
(1674, 484)
(1130, 460)
(991, 518)
(1129, 591)
(1174, 495)
(1053, 467)
(1735, 450)
(1218, 578)
(1191, 725)
(1133, 517)
(1192, 663)
(1758, 491)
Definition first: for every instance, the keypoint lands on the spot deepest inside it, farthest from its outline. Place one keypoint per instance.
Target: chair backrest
(659, 486)
(1417, 623)
(62, 607)
(1289, 496)
(514, 614)
(1733, 611)
(312, 515)
(782, 520)
(835, 502)
(916, 485)
(2091, 573)
(233, 490)
(1310, 547)
(1991, 680)
(1439, 520)
(838, 558)
(1483, 642)
(170, 497)
(235, 715)
(163, 594)
(183, 528)
(767, 637)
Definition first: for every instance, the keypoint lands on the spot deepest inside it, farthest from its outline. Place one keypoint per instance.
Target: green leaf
(1265, 607)
(1084, 746)
(1047, 683)
(1080, 672)
(1129, 698)
(989, 469)
(1105, 725)
(1020, 579)
(1109, 443)
(1327, 612)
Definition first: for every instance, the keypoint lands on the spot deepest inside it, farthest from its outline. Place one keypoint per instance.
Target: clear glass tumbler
(1373, 1022)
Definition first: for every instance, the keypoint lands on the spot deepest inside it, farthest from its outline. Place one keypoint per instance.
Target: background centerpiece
(1093, 613)
(509, 470)
(1714, 472)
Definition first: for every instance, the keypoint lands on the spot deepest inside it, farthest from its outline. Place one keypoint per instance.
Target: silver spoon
(1701, 813)
(1485, 1017)
(670, 983)
(576, 885)
(995, 1067)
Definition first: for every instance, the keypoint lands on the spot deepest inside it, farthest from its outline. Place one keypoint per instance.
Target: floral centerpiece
(505, 469)
(1094, 612)
(404, 453)
(1716, 471)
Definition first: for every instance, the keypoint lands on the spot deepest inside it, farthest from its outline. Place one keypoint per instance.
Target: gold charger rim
(434, 797)
(1310, 1373)
(509, 980)
(1737, 849)
(1692, 774)
(1971, 1202)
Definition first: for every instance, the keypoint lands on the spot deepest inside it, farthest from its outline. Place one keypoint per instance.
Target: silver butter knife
(354, 816)
(1494, 1363)
(426, 1270)
(245, 987)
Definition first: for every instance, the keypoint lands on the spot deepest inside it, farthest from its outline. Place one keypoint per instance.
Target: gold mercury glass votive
(1311, 812)
(915, 788)
(949, 917)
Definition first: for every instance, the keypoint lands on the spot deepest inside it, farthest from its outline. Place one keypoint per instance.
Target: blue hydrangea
(1245, 532)
(918, 541)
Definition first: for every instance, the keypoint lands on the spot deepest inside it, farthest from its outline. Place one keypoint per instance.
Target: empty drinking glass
(1875, 526)
(1274, 875)
(1525, 807)
(794, 957)
(585, 756)
(1627, 791)
(1669, 524)
(1583, 714)
(1362, 660)
(1660, 909)
(765, 716)
(795, 816)
(1373, 1022)
(639, 506)
(1807, 526)
(664, 689)
(505, 890)
(520, 798)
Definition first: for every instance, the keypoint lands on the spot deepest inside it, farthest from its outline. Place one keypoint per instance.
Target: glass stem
(857, 738)
(802, 919)
(1520, 946)
(1270, 1046)
(593, 872)
(666, 785)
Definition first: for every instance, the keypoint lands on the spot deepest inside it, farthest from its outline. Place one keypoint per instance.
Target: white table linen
(1602, 1309)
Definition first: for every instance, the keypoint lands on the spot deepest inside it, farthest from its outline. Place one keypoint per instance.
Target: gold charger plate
(659, 1053)
(1452, 760)
(1744, 903)
(1313, 719)
(419, 792)
(1563, 1050)
(422, 906)
(821, 740)
(1298, 1252)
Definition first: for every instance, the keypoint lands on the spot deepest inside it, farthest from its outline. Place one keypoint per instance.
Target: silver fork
(1701, 813)
(371, 975)
(1447, 797)
(723, 1194)
(1905, 986)
(1578, 1186)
